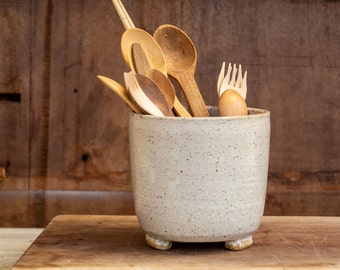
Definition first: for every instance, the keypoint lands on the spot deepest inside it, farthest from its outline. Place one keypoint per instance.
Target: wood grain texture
(15, 79)
(14, 114)
(69, 133)
(117, 242)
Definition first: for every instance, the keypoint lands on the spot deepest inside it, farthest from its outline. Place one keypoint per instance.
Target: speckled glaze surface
(200, 179)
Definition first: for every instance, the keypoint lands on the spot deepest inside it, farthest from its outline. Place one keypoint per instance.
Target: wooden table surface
(14, 242)
(117, 242)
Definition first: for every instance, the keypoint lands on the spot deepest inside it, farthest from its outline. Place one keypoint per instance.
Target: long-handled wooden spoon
(181, 58)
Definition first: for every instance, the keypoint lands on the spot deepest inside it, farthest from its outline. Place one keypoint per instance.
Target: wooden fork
(230, 81)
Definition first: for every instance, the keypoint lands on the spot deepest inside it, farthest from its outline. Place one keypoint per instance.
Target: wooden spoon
(139, 96)
(153, 92)
(147, 95)
(120, 91)
(181, 58)
(140, 61)
(141, 37)
(168, 90)
(148, 43)
(163, 84)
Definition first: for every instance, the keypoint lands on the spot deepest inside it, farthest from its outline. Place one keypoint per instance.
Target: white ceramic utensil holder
(200, 179)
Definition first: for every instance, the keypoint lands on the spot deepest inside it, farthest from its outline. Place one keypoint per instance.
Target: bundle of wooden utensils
(169, 51)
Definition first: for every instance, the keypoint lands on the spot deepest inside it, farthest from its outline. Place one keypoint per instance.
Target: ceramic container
(200, 179)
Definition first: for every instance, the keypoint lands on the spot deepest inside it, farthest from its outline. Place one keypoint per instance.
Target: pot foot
(239, 244)
(157, 243)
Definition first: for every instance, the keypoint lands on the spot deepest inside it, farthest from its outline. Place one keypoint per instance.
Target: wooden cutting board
(117, 242)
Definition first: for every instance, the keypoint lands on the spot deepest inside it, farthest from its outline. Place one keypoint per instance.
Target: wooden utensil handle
(123, 15)
(180, 109)
(120, 91)
(192, 94)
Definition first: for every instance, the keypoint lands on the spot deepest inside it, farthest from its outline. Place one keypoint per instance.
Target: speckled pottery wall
(200, 179)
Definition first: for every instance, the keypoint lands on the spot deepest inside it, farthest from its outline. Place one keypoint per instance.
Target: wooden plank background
(64, 143)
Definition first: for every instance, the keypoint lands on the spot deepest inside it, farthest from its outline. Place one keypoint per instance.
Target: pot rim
(213, 110)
